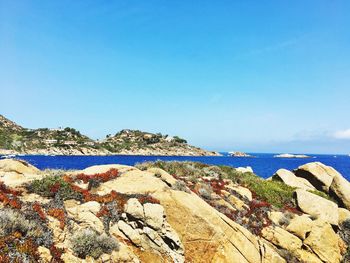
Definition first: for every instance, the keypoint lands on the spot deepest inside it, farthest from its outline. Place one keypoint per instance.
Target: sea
(263, 164)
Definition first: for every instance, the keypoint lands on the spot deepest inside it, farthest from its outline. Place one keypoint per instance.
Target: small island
(288, 155)
(239, 154)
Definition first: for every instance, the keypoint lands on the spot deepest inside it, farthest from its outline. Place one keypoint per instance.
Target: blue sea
(263, 164)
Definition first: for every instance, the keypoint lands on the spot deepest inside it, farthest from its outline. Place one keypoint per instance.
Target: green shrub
(89, 243)
(274, 192)
(51, 185)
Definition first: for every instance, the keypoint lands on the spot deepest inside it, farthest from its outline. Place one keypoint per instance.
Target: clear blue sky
(256, 76)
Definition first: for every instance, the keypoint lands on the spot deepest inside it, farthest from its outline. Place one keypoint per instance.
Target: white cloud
(343, 134)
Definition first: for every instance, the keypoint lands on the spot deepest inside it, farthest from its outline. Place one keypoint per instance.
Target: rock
(318, 174)
(324, 242)
(163, 175)
(239, 154)
(124, 255)
(281, 238)
(247, 169)
(317, 206)
(44, 254)
(131, 233)
(17, 166)
(276, 217)
(134, 208)
(236, 202)
(154, 215)
(344, 214)
(340, 188)
(244, 192)
(268, 254)
(306, 256)
(300, 226)
(85, 214)
(290, 179)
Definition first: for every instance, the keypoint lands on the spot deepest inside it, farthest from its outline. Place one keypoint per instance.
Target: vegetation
(49, 186)
(274, 192)
(89, 243)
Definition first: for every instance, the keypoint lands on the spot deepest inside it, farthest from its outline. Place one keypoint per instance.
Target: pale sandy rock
(16, 166)
(245, 192)
(74, 208)
(269, 254)
(85, 214)
(290, 179)
(59, 235)
(281, 238)
(306, 256)
(154, 215)
(344, 214)
(317, 206)
(124, 255)
(300, 226)
(44, 254)
(276, 217)
(131, 233)
(96, 169)
(340, 188)
(34, 198)
(247, 169)
(70, 258)
(134, 208)
(236, 202)
(133, 182)
(318, 174)
(324, 242)
(163, 175)
(13, 179)
(196, 223)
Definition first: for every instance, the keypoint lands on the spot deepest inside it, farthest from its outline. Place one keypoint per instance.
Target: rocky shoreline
(173, 212)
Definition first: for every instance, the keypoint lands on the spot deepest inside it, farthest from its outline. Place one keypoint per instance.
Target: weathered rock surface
(15, 173)
(344, 214)
(317, 206)
(282, 238)
(340, 188)
(155, 223)
(290, 179)
(324, 242)
(318, 174)
(300, 226)
(16, 166)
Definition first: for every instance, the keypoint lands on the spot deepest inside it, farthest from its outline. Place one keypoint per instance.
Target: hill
(15, 139)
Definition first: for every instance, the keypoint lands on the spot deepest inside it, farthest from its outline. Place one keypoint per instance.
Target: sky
(254, 76)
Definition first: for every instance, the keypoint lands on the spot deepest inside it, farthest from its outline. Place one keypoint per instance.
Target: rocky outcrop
(17, 166)
(340, 189)
(323, 241)
(290, 179)
(317, 206)
(318, 174)
(152, 219)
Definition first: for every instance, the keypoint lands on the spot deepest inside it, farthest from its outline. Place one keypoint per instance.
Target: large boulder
(317, 206)
(340, 189)
(17, 166)
(324, 242)
(207, 235)
(16, 173)
(282, 238)
(300, 226)
(290, 179)
(318, 174)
